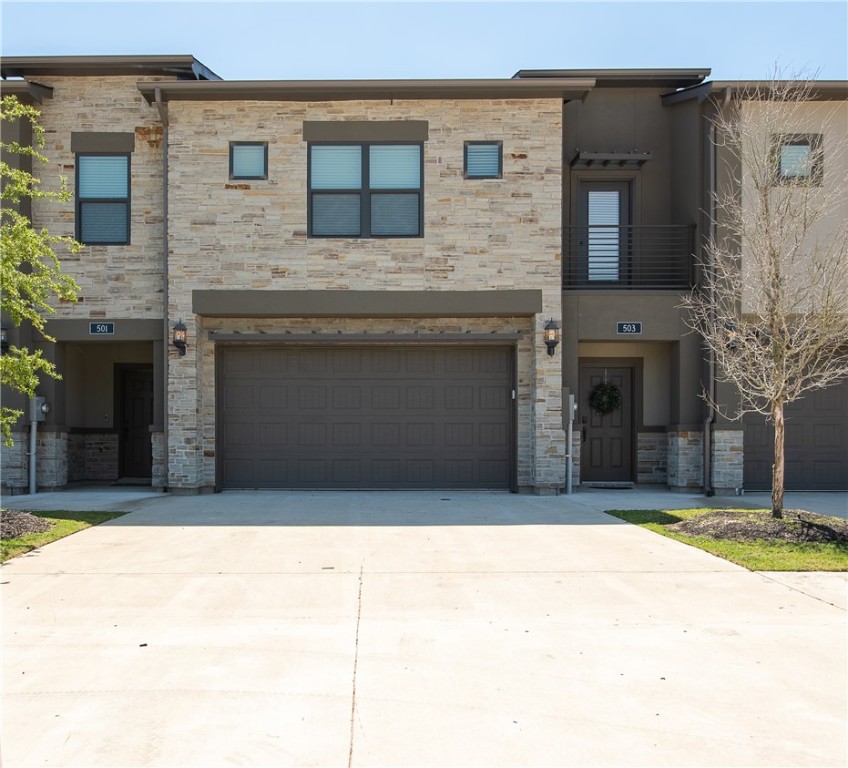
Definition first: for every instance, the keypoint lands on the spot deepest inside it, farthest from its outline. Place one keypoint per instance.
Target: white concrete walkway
(437, 629)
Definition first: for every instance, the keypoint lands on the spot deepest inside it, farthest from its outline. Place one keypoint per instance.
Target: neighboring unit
(359, 275)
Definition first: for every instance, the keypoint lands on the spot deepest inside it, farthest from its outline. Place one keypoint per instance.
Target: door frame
(118, 372)
(636, 365)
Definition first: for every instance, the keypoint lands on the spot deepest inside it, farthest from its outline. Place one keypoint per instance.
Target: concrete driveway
(425, 629)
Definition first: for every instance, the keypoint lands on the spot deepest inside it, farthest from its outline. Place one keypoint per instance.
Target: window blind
(103, 176)
(482, 160)
(395, 167)
(336, 167)
(248, 161)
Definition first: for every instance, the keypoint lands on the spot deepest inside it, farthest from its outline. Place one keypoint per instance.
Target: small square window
(248, 160)
(483, 159)
(798, 158)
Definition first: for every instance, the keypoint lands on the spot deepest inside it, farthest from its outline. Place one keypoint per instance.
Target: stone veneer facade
(115, 281)
(685, 460)
(478, 234)
(727, 458)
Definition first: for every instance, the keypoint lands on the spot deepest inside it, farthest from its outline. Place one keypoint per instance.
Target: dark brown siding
(365, 417)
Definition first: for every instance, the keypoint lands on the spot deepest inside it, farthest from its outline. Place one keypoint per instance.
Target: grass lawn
(759, 555)
(64, 523)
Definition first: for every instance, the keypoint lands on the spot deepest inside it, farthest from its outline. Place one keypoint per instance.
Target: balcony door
(604, 216)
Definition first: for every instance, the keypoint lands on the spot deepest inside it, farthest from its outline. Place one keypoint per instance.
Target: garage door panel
(828, 436)
(365, 418)
(273, 397)
(816, 443)
(346, 471)
(419, 435)
(385, 398)
(347, 397)
(459, 398)
(272, 435)
(239, 396)
(347, 434)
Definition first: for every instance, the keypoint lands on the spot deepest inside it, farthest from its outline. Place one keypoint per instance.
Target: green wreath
(605, 398)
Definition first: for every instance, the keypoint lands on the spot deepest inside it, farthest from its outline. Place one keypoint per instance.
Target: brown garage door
(816, 444)
(365, 417)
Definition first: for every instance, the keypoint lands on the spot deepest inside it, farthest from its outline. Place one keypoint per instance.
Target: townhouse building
(385, 284)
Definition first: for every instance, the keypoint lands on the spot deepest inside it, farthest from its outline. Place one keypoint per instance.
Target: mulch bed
(796, 525)
(14, 523)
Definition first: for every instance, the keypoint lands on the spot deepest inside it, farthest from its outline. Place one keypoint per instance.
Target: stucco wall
(829, 119)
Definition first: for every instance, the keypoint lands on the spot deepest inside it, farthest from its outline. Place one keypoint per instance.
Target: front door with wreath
(606, 423)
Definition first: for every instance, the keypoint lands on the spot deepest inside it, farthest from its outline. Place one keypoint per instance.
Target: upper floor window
(798, 158)
(248, 160)
(483, 159)
(365, 190)
(103, 199)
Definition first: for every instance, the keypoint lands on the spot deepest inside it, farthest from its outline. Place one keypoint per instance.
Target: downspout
(709, 422)
(163, 116)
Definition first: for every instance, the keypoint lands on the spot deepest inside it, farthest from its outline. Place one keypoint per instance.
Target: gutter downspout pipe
(709, 422)
(163, 116)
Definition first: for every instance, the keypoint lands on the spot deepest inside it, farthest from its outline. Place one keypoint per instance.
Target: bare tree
(773, 304)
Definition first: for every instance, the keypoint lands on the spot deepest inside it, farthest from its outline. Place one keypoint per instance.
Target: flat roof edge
(336, 90)
(661, 78)
(177, 64)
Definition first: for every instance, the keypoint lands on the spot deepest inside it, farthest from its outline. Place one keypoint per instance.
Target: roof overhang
(26, 92)
(347, 90)
(181, 66)
(623, 78)
(819, 90)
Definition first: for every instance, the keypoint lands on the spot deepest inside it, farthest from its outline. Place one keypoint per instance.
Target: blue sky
(315, 40)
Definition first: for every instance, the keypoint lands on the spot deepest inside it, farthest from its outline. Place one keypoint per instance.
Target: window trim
(467, 175)
(365, 192)
(263, 144)
(814, 142)
(78, 200)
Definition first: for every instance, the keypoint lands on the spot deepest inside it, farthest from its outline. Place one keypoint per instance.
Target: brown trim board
(247, 303)
(125, 330)
(365, 130)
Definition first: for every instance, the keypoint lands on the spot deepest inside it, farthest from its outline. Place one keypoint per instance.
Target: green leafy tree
(31, 273)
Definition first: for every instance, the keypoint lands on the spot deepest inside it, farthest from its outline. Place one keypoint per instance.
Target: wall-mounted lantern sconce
(180, 332)
(551, 336)
(4, 340)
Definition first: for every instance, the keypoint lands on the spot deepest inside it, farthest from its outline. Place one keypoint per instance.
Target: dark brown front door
(606, 451)
(136, 417)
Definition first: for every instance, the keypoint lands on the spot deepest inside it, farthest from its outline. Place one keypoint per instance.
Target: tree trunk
(777, 478)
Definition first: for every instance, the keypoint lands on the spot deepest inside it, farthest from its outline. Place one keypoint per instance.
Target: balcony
(628, 258)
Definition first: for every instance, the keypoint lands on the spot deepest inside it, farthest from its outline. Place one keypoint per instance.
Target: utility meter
(38, 409)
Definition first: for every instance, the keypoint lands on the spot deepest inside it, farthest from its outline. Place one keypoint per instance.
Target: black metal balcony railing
(628, 258)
